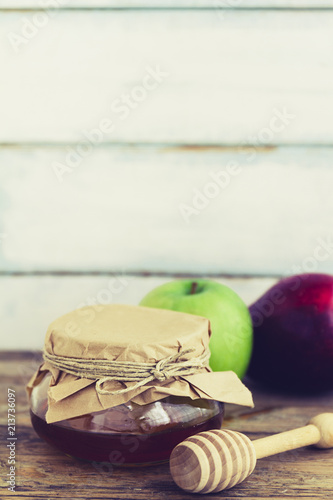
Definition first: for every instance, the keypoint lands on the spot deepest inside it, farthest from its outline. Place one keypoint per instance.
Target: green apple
(231, 325)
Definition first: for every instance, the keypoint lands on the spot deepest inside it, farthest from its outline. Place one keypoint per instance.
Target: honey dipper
(212, 461)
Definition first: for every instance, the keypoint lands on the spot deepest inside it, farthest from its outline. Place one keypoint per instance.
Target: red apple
(293, 334)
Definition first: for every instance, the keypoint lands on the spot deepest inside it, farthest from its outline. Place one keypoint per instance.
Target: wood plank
(228, 76)
(128, 209)
(168, 4)
(29, 304)
(46, 473)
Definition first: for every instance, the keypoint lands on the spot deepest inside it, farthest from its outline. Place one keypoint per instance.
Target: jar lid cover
(131, 333)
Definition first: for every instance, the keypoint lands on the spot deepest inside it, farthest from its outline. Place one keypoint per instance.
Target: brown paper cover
(129, 333)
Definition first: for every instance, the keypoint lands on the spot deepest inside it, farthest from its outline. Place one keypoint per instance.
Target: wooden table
(45, 473)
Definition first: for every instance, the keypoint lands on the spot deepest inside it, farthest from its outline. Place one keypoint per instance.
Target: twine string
(104, 370)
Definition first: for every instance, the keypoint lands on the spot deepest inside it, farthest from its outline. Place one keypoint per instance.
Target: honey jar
(125, 384)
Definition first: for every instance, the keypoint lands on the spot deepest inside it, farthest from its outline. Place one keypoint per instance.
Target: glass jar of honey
(128, 385)
(128, 433)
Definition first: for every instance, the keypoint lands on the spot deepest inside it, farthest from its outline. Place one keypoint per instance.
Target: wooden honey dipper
(212, 461)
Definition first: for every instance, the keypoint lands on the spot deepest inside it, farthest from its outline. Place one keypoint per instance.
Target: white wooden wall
(142, 141)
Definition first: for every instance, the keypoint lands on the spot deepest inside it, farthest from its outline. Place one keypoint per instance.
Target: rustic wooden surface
(44, 473)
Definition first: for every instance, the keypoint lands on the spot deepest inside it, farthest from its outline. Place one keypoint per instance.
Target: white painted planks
(128, 209)
(227, 76)
(29, 304)
(162, 4)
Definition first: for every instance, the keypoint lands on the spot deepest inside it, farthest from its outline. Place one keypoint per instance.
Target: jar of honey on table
(125, 384)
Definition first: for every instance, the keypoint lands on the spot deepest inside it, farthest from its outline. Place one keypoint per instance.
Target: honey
(119, 448)
(128, 434)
